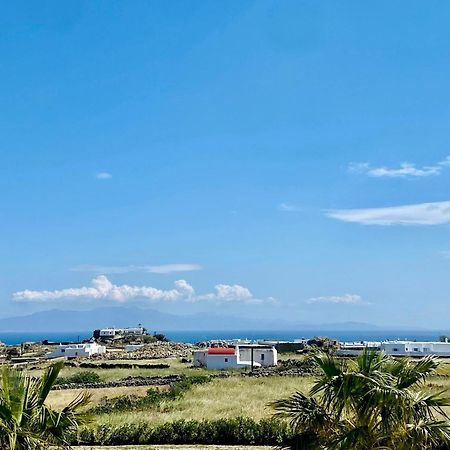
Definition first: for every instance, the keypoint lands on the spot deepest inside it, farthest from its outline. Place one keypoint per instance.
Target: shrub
(153, 398)
(236, 431)
(85, 377)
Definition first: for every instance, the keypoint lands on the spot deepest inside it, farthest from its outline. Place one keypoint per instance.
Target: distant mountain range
(61, 320)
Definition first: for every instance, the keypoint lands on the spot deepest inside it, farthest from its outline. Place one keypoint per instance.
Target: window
(63, 350)
(395, 349)
(262, 356)
(226, 359)
(416, 349)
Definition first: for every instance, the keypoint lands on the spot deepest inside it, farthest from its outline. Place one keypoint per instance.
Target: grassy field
(176, 367)
(221, 398)
(59, 399)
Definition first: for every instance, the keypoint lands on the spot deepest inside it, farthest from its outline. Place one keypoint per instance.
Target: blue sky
(248, 148)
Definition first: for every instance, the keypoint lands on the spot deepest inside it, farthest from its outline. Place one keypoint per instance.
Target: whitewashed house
(77, 351)
(265, 355)
(235, 358)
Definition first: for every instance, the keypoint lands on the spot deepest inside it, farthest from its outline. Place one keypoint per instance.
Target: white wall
(77, 351)
(264, 356)
(200, 357)
(222, 362)
(416, 348)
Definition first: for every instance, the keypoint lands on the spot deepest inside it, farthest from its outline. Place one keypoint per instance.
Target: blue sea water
(13, 338)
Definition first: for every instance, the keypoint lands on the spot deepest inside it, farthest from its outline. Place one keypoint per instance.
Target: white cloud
(288, 207)
(347, 299)
(419, 214)
(103, 176)
(229, 293)
(161, 269)
(405, 169)
(171, 268)
(103, 289)
(445, 253)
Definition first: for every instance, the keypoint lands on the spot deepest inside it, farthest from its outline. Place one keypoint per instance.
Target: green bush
(153, 398)
(84, 377)
(236, 431)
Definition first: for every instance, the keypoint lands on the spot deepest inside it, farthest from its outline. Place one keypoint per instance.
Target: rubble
(156, 350)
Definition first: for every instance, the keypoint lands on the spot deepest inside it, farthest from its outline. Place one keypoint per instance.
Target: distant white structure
(235, 358)
(396, 348)
(76, 351)
(110, 333)
(411, 348)
(356, 348)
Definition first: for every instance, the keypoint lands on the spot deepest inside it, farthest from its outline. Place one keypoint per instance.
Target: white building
(235, 358)
(411, 348)
(396, 348)
(110, 333)
(77, 351)
(356, 348)
(262, 354)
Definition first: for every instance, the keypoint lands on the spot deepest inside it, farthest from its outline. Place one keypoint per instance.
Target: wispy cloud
(103, 289)
(445, 253)
(288, 207)
(347, 299)
(419, 214)
(404, 170)
(103, 175)
(161, 269)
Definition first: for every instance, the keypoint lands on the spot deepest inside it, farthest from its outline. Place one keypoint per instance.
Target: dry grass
(176, 367)
(221, 398)
(59, 399)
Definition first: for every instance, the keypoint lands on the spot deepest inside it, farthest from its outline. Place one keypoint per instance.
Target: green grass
(220, 398)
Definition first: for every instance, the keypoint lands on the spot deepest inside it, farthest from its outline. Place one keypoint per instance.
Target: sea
(14, 338)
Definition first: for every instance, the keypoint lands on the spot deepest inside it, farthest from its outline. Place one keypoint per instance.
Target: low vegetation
(375, 402)
(235, 431)
(26, 421)
(85, 377)
(153, 399)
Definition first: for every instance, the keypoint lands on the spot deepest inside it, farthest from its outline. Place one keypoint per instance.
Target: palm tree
(26, 422)
(373, 402)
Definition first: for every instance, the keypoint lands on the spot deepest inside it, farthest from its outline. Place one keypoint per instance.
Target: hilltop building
(111, 333)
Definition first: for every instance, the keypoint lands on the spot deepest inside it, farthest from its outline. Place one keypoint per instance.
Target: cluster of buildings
(397, 348)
